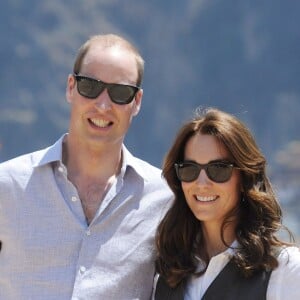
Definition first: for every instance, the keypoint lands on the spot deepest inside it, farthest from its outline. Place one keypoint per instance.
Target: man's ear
(70, 88)
(137, 102)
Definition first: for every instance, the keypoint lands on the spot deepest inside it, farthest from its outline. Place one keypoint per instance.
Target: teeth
(206, 199)
(100, 123)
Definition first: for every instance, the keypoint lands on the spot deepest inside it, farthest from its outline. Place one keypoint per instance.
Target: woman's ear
(242, 188)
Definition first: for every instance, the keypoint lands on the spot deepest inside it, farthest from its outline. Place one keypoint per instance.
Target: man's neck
(95, 163)
(92, 173)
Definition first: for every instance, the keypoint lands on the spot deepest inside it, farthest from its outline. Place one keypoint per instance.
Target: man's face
(100, 121)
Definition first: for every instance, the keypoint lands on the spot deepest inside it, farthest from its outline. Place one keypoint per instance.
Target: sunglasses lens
(187, 172)
(219, 172)
(89, 87)
(122, 94)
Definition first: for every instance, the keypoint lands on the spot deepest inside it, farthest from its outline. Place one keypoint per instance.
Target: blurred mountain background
(240, 56)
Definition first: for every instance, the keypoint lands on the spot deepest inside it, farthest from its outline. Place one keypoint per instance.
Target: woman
(219, 239)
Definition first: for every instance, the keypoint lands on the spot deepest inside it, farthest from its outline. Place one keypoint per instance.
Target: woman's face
(208, 200)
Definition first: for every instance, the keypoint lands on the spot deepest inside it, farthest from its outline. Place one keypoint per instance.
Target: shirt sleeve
(285, 280)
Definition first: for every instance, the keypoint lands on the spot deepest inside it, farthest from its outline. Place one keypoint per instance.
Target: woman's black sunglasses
(216, 171)
(91, 88)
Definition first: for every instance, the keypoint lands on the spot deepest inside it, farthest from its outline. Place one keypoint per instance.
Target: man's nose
(103, 101)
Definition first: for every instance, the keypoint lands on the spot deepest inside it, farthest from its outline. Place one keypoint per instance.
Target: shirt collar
(133, 162)
(232, 249)
(50, 154)
(54, 153)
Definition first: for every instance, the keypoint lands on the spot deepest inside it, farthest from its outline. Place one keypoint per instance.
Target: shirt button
(60, 169)
(74, 199)
(88, 232)
(82, 269)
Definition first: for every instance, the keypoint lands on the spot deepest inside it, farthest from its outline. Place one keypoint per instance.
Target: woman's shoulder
(284, 280)
(289, 256)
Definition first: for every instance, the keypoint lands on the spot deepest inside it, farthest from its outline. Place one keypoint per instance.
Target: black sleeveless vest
(228, 285)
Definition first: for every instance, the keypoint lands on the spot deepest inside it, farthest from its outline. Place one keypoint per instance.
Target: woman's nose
(202, 178)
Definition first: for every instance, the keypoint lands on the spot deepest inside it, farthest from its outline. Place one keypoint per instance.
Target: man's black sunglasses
(189, 171)
(91, 88)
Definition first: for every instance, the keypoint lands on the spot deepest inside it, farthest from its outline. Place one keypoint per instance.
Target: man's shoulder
(22, 163)
(146, 169)
(154, 182)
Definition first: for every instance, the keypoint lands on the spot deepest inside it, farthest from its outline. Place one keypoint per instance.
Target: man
(78, 219)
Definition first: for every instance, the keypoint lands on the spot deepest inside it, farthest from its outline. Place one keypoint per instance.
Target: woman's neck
(213, 238)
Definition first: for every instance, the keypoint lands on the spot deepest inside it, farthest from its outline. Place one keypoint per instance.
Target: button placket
(60, 169)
